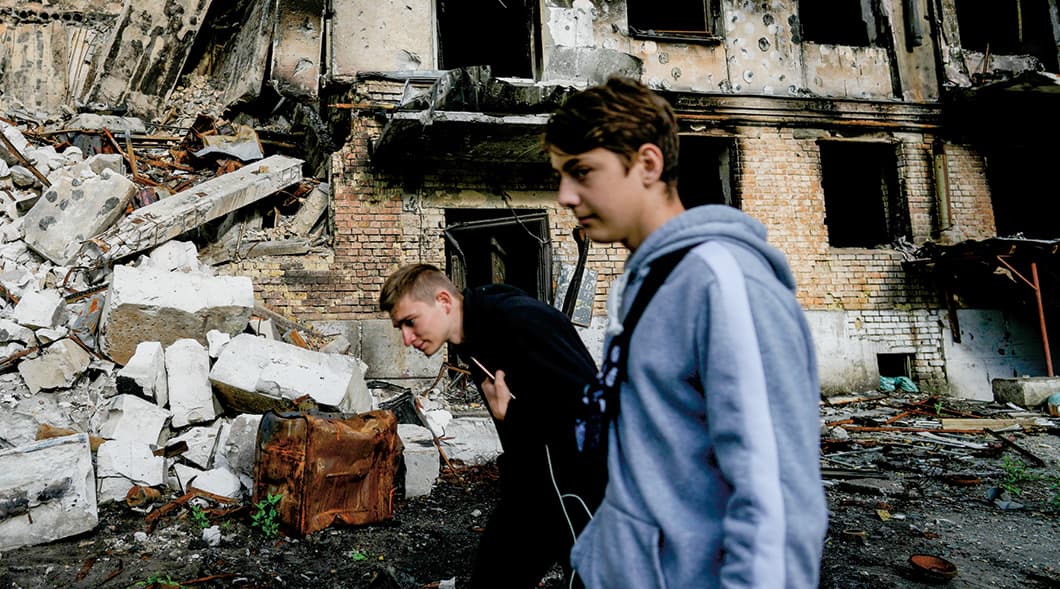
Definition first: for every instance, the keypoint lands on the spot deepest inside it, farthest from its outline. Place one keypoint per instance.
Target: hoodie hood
(709, 222)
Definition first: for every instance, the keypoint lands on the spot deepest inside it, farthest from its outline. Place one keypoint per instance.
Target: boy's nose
(566, 195)
(407, 336)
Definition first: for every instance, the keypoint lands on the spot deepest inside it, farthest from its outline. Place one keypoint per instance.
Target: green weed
(266, 517)
(199, 517)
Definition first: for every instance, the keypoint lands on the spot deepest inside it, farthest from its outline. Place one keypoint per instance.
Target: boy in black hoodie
(507, 336)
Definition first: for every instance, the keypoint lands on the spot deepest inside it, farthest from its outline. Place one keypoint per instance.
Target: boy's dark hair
(420, 281)
(619, 116)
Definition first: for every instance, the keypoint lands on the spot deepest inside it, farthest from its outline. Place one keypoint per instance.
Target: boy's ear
(444, 298)
(651, 158)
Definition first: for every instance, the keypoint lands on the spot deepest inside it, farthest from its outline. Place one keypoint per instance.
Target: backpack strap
(658, 271)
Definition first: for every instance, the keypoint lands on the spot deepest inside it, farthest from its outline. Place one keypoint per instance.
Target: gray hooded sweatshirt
(713, 458)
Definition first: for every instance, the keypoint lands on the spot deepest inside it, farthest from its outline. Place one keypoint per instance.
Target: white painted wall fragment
(472, 440)
(50, 483)
(147, 304)
(40, 308)
(131, 418)
(253, 373)
(145, 374)
(190, 397)
(58, 367)
(124, 463)
(422, 460)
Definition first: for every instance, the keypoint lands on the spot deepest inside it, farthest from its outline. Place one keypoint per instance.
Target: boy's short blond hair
(419, 281)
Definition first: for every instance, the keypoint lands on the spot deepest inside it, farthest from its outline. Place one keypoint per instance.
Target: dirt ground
(987, 510)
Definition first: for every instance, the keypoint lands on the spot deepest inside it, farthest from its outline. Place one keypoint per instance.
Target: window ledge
(703, 38)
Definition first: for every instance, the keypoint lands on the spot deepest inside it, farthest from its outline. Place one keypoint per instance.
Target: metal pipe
(1041, 319)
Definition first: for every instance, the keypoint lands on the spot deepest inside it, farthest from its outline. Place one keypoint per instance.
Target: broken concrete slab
(255, 374)
(240, 446)
(217, 481)
(187, 371)
(73, 209)
(168, 218)
(14, 332)
(121, 464)
(472, 440)
(40, 308)
(422, 461)
(313, 208)
(145, 374)
(148, 46)
(145, 305)
(297, 40)
(128, 417)
(58, 367)
(1026, 391)
(201, 442)
(48, 491)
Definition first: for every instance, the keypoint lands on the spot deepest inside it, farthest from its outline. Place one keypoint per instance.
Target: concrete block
(58, 367)
(40, 309)
(254, 374)
(176, 256)
(216, 341)
(168, 218)
(72, 210)
(131, 418)
(13, 332)
(188, 375)
(472, 440)
(48, 491)
(1027, 391)
(201, 442)
(219, 481)
(422, 461)
(145, 374)
(124, 463)
(387, 357)
(151, 305)
(240, 447)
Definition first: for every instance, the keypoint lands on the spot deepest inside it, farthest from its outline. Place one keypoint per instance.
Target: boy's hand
(497, 395)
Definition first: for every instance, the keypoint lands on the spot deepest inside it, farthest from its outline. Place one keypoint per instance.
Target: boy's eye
(579, 173)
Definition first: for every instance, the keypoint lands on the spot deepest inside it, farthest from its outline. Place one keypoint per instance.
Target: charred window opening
(837, 22)
(706, 171)
(1009, 27)
(488, 246)
(862, 198)
(682, 19)
(895, 365)
(488, 32)
(1018, 177)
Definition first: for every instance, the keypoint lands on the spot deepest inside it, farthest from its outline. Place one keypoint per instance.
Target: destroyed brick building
(201, 200)
(857, 135)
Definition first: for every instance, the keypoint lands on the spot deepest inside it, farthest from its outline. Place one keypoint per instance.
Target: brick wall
(382, 221)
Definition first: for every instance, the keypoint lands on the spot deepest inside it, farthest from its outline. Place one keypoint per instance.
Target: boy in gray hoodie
(708, 406)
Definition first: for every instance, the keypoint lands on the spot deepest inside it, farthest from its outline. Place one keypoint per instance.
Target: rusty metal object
(139, 495)
(329, 468)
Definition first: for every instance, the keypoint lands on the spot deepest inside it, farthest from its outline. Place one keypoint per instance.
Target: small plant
(266, 517)
(198, 515)
(357, 555)
(1015, 475)
(158, 581)
(938, 408)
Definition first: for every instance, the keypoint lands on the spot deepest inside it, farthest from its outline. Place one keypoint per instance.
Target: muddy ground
(989, 510)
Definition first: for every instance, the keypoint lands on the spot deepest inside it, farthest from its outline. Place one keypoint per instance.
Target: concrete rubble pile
(127, 362)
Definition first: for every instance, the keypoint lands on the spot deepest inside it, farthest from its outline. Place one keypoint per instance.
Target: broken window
(487, 246)
(1018, 177)
(706, 171)
(495, 33)
(862, 199)
(682, 19)
(1009, 27)
(895, 365)
(837, 22)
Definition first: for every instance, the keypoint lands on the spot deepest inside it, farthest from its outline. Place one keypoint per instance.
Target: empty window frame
(838, 22)
(496, 33)
(1009, 27)
(863, 203)
(895, 365)
(489, 246)
(1019, 176)
(680, 19)
(706, 171)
